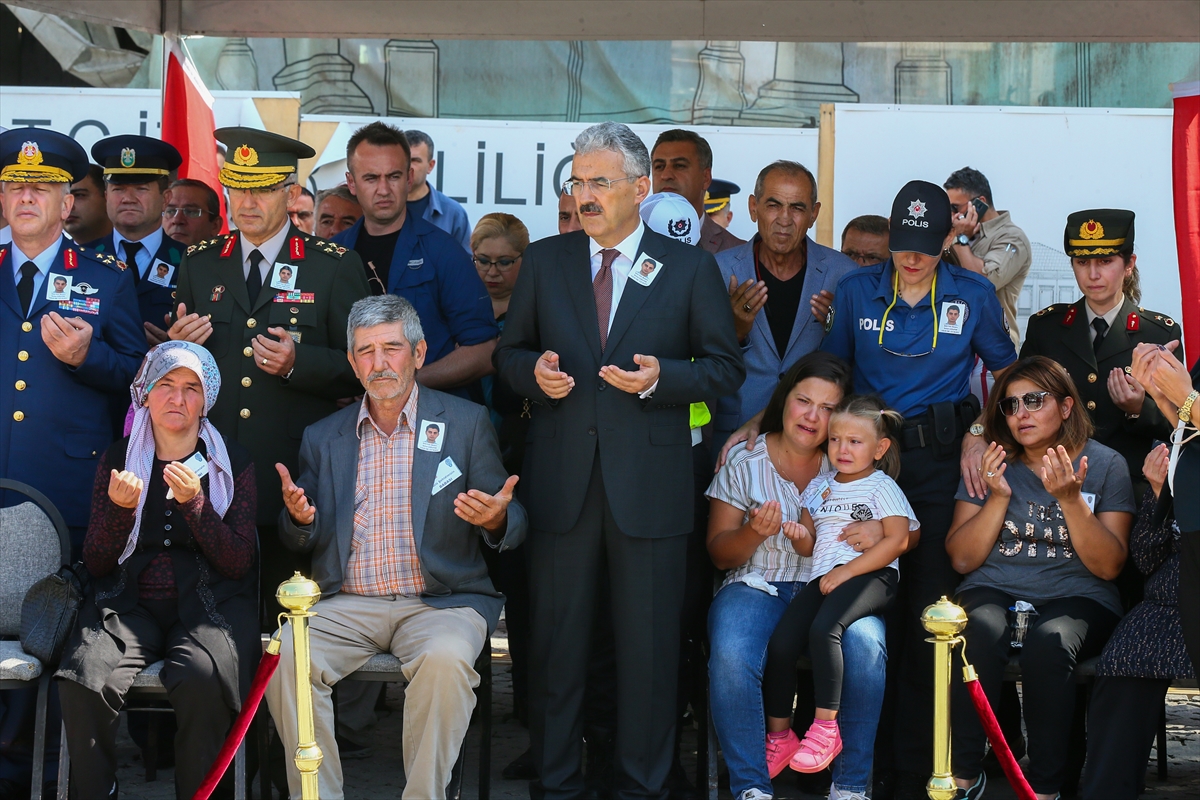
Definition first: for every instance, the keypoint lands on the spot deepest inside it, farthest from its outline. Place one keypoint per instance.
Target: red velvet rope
(266, 668)
(1012, 770)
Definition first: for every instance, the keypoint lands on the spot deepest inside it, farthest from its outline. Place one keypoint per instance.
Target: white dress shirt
(270, 251)
(620, 267)
(42, 261)
(1109, 317)
(145, 257)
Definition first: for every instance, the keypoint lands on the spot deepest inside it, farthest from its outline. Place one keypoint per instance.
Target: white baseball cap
(671, 215)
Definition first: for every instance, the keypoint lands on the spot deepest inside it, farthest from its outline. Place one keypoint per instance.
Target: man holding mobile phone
(986, 241)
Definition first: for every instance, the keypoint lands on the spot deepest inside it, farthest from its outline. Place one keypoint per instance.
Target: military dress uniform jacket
(1060, 332)
(154, 301)
(55, 425)
(265, 413)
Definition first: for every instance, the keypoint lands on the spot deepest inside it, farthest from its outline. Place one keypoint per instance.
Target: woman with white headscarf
(172, 548)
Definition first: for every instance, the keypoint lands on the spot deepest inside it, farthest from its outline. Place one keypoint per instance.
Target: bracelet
(1185, 410)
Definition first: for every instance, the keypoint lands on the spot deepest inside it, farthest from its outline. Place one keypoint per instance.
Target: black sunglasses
(1033, 401)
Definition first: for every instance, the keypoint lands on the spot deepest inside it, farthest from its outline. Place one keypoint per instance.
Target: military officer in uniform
(59, 358)
(137, 172)
(281, 351)
(1094, 337)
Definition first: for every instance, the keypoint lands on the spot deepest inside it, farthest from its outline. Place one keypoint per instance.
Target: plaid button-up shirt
(383, 558)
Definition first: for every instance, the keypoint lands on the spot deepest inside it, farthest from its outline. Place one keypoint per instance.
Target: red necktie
(602, 287)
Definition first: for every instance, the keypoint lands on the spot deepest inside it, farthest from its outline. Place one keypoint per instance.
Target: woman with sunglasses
(1039, 555)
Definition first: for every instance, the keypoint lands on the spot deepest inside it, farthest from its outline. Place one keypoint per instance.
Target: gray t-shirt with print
(1033, 559)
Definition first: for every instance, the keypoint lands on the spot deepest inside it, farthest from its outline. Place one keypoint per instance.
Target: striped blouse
(748, 480)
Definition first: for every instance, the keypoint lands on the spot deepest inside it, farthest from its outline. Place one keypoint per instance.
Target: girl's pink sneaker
(780, 749)
(822, 742)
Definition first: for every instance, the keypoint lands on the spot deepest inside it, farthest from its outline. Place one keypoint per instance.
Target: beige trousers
(437, 648)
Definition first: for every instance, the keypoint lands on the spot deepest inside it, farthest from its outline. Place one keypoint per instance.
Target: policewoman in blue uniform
(70, 336)
(137, 170)
(912, 327)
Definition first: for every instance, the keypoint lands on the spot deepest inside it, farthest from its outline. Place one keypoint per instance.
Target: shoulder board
(1057, 308)
(110, 261)
(326, 246)
(1161, 320)
(202, 246)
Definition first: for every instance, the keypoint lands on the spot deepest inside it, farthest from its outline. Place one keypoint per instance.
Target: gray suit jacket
(764, 364)
(447, 546)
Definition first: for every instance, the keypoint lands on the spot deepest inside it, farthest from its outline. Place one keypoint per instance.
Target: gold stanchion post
(945, 621)
(298, 594)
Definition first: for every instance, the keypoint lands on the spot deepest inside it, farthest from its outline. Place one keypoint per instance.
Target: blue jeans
(740, 623)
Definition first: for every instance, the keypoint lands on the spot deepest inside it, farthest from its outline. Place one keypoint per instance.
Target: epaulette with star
(201, 246)
(326, 246)
(1162, 320)
(1057, 308)
(107, 259)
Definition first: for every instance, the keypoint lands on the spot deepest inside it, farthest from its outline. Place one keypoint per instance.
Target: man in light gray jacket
(395, 518)
(780, 285)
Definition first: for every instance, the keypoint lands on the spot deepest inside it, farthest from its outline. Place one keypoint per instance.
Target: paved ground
(381, 776)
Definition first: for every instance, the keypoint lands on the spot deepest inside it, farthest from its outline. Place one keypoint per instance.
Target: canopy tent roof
(737, 20)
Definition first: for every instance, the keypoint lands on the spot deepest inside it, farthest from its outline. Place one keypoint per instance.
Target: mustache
(382, 374)
(590, 208)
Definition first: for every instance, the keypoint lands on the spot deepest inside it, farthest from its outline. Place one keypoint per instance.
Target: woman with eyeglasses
(1040, 554)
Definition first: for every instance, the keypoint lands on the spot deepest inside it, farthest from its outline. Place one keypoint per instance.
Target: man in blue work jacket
(71, 336)
(137, 173)
(406, 255)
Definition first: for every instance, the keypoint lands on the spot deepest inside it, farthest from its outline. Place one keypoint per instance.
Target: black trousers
(1189, 594)
(1123, 719)
(929, 483)
(815, 622)
(193, 687)
(1065, 632)
(646, 578)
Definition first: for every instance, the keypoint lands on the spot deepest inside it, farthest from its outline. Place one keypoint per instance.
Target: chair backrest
(34, 542)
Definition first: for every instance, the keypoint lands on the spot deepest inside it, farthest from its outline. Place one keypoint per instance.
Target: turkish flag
(187, 121)
(1185, 160)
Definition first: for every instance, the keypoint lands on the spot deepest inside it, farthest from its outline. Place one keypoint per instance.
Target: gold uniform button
(1091, 377)
(248, 351)
(1091, 404)
(250, 323)
(20, 386)
(27, 326)
(245, 413)
(293, 320)
(246, 382)
(18, 415)
(22, 355)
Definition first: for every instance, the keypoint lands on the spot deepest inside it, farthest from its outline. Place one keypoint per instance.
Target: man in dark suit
(136, 172)
(281, 353)
(682, 163)
(612, 359)
(394, 498)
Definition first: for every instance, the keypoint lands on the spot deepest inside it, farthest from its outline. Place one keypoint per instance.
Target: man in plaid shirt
(394, 518)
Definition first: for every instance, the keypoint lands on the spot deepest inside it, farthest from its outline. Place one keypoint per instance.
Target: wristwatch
(1185, 410)
(962, 239)
(976, 429)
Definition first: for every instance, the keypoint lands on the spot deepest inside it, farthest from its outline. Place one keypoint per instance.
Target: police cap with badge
(920, 219)
(1099, 232)
(257, 159)
(718, 194)
(40, 155)
(133, 159)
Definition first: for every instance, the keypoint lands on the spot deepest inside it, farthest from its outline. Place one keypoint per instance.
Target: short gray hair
(384, 309)
(340, 191)
(790, 168)
(618, 138)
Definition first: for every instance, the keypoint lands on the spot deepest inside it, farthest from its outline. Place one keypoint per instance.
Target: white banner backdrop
(517, 167)
(92, 114)
(1042, 163)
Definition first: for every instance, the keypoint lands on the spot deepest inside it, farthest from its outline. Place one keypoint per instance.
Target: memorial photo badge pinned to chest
(645, 269)
(283, 277)
(430, 436)
(160, 273)
(58, 287)
(953, 317)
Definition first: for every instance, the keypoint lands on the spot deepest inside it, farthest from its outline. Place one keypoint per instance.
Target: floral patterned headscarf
(139, 456)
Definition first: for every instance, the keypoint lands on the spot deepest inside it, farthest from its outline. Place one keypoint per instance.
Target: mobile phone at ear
(980, 207)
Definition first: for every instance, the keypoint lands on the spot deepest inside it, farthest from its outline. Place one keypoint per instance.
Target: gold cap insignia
(245, 156)
(30, 155)
(1091, 230)
(128, 157)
